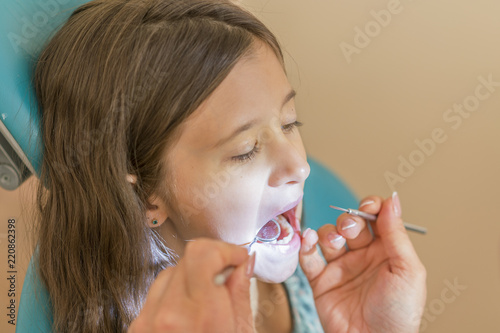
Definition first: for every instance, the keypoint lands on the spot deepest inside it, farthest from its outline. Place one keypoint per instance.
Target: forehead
(252, 91)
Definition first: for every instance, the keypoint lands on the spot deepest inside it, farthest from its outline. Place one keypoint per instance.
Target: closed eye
(248, 156)
(290, 127)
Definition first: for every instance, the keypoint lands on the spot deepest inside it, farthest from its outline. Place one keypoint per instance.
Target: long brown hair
(114, 84)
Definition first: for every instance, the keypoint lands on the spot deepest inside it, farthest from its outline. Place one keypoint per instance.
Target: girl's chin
(275, 275)
(274, 263)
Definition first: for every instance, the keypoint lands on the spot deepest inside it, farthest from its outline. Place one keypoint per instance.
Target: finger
(332, 244)
(156, 294)
(394, 236)
(159, 285)
(238, 285)
(322, 276)
(354, 230)
(204, 259)
(310, 260)
(174, 297)
(371, 205)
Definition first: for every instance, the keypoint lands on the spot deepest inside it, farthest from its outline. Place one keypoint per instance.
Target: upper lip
(285, 209)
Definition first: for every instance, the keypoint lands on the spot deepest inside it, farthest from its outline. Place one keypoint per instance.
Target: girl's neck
(270, 307)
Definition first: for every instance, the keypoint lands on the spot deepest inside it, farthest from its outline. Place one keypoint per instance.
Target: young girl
(170, 140)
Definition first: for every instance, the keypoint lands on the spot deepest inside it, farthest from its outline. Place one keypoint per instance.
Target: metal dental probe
(372, 217)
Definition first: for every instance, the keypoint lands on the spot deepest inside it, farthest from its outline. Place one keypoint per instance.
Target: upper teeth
(284, 226)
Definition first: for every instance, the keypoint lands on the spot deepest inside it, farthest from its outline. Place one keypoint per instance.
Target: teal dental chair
(25, 26)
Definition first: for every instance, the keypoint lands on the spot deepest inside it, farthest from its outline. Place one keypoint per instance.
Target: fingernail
(366, 203)
(396, 204)
(311, 238)
(336, 240)
(250, 265)
(348, 224)
(304, 234)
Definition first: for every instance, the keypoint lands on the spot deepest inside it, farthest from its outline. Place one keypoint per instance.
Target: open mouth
(276, 261)
(289, 226)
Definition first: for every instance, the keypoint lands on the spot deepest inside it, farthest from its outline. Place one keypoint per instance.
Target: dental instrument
(268, 233)
(372, 217)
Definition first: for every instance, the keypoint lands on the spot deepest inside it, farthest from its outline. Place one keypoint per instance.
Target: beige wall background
(396, 83)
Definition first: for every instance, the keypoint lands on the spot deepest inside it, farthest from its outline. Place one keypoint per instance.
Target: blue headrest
(25, 27)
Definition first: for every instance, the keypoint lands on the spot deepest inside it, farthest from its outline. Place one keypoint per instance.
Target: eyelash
(288, 128)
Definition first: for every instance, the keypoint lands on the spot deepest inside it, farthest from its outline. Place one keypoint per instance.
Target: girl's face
(240, 162)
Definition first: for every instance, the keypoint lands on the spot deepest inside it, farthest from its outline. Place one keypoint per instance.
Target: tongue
(290, 217)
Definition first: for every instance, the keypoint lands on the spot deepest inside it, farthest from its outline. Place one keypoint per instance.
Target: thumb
(239, 290)
(393, 234)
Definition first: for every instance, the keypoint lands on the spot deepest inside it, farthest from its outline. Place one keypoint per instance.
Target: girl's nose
(290, 164)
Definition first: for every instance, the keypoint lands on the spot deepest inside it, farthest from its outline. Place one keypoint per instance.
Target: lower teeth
(284, 226)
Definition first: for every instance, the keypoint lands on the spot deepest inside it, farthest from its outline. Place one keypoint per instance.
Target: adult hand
(376, 286)
(185, 298)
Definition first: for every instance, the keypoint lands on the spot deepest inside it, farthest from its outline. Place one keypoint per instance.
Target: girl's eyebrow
(252, 123)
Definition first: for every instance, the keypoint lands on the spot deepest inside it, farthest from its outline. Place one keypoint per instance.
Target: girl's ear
(156, 213)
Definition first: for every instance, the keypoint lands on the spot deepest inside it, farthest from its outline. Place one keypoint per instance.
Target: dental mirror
(268, 233)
